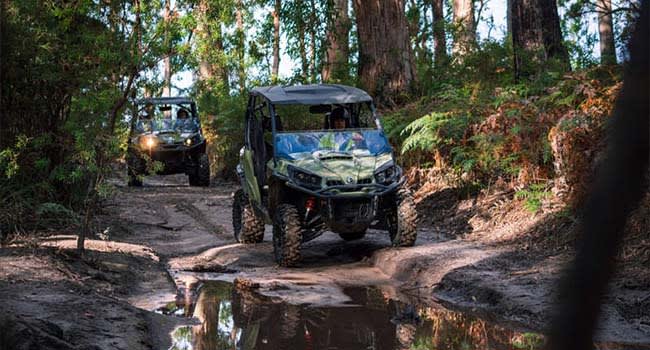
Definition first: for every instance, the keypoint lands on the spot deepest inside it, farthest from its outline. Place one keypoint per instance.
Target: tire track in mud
(199, 217)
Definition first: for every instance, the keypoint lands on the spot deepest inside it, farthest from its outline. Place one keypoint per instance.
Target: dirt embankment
(54, 299)
(486, 255)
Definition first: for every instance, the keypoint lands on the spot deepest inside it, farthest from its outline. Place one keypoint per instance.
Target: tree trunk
(439, 39)
(552, 34)
(424, 38)
(302, 49)
(509, 17)
(241, 42)
(385, 58)
(167, 60)
(276, 41)
(312, 42)
(536, 36)
(606, 32)
(464, 31)
(413, 27)
(203, 32)
(336, 66)
(211, 48)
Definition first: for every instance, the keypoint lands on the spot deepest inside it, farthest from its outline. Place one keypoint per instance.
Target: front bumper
(354, 207)
(349, 191)
(177, 158)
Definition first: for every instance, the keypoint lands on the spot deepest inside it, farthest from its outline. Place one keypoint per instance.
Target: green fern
(424, 133)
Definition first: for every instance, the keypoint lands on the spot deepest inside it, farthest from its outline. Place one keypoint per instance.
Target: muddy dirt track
(157, 244)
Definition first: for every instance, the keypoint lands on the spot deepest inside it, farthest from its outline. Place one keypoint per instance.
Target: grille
(365, 181)
(353, 209)
(334, 183)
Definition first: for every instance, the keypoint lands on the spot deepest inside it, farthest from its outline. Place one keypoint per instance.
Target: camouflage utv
(316, 158)
(167, 130)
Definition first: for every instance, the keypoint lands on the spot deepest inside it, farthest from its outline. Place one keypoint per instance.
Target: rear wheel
(352, 236)
(402, 221)
(247, 226)
(287, 235)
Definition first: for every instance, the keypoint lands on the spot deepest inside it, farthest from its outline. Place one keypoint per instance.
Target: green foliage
(306, 36)
(68, 66)
(64, 68)
(528, 341)
(534, 195)
(491, 127)
(223, 126)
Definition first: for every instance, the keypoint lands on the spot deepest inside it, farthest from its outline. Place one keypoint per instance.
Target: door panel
(250, 184)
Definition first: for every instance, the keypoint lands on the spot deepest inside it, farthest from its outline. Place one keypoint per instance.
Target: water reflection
(242, 319)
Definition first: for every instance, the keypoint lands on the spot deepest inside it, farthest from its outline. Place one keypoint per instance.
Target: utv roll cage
(164, 101)
(168, 101)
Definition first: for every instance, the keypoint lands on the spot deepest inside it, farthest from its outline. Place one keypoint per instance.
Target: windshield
(158, 118)
(359, 142)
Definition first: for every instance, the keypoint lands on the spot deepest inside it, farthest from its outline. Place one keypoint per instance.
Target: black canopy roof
(312, 94)
(164, 100)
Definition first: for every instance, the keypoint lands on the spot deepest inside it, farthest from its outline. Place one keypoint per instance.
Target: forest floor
(482, 255)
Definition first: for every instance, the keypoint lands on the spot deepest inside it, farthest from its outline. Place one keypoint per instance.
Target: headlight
(191, 140)
(303, 178)
(386, 174)
(148, 142)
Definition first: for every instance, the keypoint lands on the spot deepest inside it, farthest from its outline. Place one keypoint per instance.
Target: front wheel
(287, 235)
(402, 221)
(135, 170)
(247, 226)
(201, 177)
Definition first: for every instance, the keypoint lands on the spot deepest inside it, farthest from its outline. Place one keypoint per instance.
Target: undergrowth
(533, 196)
(485, 127)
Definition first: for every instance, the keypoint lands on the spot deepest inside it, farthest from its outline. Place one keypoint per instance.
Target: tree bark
(276, 41)
(241, 64)
(385, 58)
(312, 42)
(509, 17)
(536, 36)
(552, 34)
(439, 39)
(606, 32)
(167, 60)
(465, 30)
(302, 49)
(336, 66)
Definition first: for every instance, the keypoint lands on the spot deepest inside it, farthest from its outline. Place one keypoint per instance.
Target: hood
(172, 136)
(342, 167)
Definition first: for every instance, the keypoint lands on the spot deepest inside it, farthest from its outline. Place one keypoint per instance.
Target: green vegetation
(528, 341)
(69, 69)
(490, 130)
(533, 196)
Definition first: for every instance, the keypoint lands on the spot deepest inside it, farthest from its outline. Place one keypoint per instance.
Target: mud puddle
(229, 318)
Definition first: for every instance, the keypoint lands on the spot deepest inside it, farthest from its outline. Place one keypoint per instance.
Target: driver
(183, 121)
(345, 141)
(338, 118)
(144, 123)
(182, 114)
